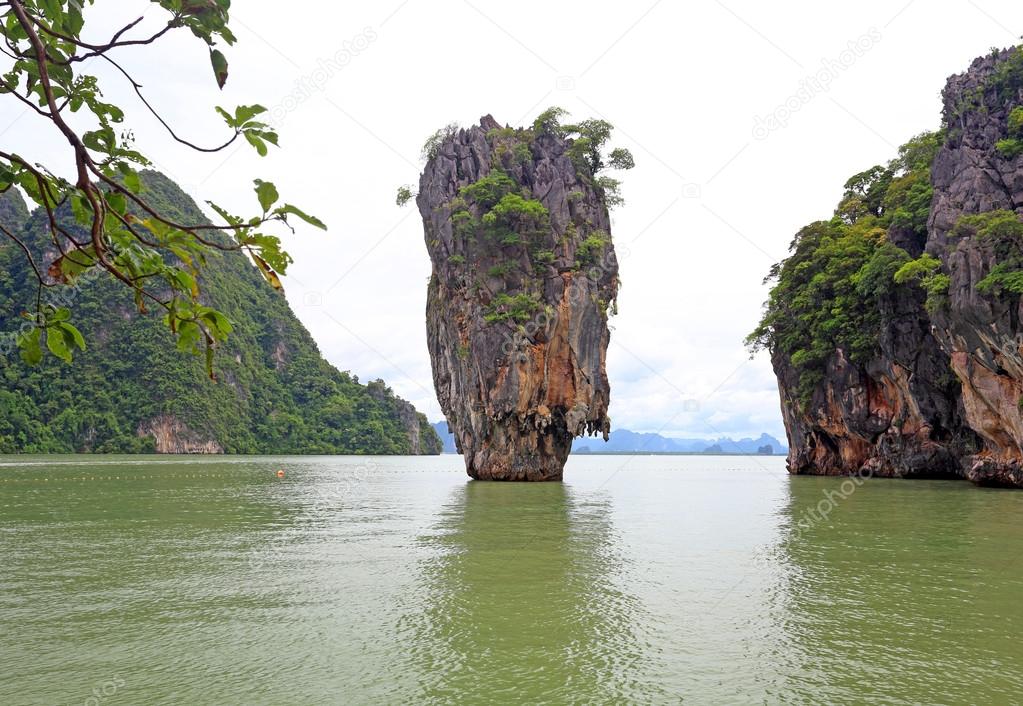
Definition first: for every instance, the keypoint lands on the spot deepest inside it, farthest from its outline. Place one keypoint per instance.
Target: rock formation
(524, 273)
(171, 436)
(980, 328)
(895, 416)
(940, 392)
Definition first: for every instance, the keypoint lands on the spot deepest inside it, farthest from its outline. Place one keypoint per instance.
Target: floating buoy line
(280, 474)
(82, 479)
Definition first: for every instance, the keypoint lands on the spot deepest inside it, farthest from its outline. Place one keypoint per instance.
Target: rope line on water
(204, 476)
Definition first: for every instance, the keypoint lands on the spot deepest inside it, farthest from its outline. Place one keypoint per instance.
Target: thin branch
(28, 254)
(99, 49)
(137, 86)
(81, 154)
(136, 234)
(25, 100)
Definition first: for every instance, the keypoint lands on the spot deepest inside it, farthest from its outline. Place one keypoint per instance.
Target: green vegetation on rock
(502, 243)
(1002, 86)
(1012, 146)
(434, 141)
(1002, 231)
(588, 140)
(519, 308)
(1007, 79)
(828, 292)
(510, 216)
(926, 271)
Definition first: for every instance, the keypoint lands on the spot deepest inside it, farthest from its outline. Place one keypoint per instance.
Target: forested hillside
(133, 391)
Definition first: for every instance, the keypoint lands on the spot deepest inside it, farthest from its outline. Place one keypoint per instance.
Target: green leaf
(73, 336)
(267, 194)
(220, 326)
(30, 350)
(188, 336)
(233, 220)
(245, 113)
(52, 8)
(117, 201)
(256, 142)
(58, 345)
(81, 209)
(227, 117)
(219, 66)
(186, 283)
(74, 21)
(130, 177)
(295, 210)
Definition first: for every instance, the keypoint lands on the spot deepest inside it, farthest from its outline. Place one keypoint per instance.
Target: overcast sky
(745, 118)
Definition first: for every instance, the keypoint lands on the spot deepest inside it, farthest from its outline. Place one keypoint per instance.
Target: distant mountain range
(625, 441)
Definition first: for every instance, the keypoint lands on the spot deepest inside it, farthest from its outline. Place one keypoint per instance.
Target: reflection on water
(115, 573)
(522, 603)
(393, 580)
(905, 591)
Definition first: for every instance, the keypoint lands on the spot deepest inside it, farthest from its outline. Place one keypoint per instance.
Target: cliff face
(980, 327)
(171, 436)
(897, 415)
(524, 272)
(939, 390)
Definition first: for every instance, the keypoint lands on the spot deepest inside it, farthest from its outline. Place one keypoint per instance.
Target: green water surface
(134, 580)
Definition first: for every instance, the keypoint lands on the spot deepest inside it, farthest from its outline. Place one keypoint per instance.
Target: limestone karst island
(524, 276)
(894, 328)
(451, 354)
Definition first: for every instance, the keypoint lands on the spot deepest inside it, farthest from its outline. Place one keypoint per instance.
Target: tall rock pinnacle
(524, 274)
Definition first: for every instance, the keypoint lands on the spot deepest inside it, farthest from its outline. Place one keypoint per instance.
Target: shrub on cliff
(1012, 146)
(434, 141)
(488, 190)
(519, 308)
(926, 271)
(588, 140)
(514, 216)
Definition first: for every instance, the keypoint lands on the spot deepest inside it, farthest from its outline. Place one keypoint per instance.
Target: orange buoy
(280, 474)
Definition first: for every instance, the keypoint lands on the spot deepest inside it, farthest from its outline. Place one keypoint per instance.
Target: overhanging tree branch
(128, 238)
